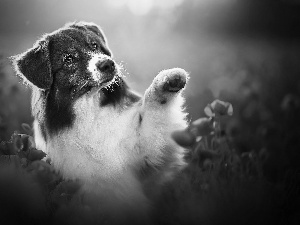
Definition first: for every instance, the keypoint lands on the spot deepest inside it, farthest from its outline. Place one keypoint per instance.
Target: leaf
(35, 154)
(22, 144)
(27, 128)
(208, 111)
(230, 110)
(183, 138)
(17, 142)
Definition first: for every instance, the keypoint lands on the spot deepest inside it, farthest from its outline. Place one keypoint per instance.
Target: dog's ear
(90, 26)
(34, 65)
(96, 29)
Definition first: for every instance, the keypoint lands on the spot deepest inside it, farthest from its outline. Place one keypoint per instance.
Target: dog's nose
(106, 66)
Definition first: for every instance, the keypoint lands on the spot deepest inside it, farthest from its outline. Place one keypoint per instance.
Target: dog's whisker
(83, 85)
(122, 75)
(121, 69)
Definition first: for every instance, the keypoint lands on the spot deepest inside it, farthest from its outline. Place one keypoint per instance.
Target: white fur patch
(92, 65)
(39, 140)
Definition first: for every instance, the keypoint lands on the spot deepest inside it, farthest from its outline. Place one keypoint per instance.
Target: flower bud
(218, 108)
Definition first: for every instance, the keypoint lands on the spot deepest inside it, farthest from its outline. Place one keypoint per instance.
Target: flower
(202, 126)
(27, 128)
(218, 108)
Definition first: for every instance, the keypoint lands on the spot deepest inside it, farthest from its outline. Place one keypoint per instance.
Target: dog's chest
(102, 141)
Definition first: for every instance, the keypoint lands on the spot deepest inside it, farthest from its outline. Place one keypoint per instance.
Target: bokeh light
(142, 7)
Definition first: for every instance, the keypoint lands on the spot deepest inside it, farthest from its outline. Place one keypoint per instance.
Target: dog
(93, 126)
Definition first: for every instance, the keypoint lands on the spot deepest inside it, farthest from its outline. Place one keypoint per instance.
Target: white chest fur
(100, 144)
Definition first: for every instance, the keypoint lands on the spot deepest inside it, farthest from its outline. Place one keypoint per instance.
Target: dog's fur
(94, 128)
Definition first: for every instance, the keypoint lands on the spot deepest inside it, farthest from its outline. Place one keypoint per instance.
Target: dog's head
(71, 60)
(68, 63)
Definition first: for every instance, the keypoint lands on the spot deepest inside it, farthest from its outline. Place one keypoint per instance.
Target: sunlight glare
(142, 7)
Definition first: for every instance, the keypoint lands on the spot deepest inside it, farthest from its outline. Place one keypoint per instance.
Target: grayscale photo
(151, 112)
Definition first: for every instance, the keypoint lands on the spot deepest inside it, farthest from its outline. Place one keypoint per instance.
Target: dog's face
(80, 60)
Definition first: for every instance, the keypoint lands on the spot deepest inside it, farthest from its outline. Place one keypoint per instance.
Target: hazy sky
(20, 20)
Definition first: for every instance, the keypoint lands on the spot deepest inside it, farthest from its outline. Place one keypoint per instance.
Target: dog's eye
(94, 46)
(68, 58)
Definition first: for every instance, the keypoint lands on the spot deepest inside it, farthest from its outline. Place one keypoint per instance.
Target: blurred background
(246, 52)
(243, 51)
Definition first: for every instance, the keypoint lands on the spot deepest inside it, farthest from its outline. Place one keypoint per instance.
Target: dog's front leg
(161, 114)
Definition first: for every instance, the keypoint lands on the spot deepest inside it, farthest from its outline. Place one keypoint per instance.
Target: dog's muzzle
(103, 69)
(107, 69)
(106, 66)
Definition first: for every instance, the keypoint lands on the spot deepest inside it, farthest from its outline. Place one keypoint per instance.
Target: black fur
(35, 65)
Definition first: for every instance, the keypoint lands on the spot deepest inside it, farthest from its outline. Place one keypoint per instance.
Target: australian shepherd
(93, 126)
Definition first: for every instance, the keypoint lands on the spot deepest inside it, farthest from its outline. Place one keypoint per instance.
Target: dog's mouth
(110, 88)
(111, 91)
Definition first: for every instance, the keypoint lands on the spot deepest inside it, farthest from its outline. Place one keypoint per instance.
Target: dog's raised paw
(175, 84)
(173, 80)
(166, 85)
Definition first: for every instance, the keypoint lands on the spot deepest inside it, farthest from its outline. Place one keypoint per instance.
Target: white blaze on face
(92, 66)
